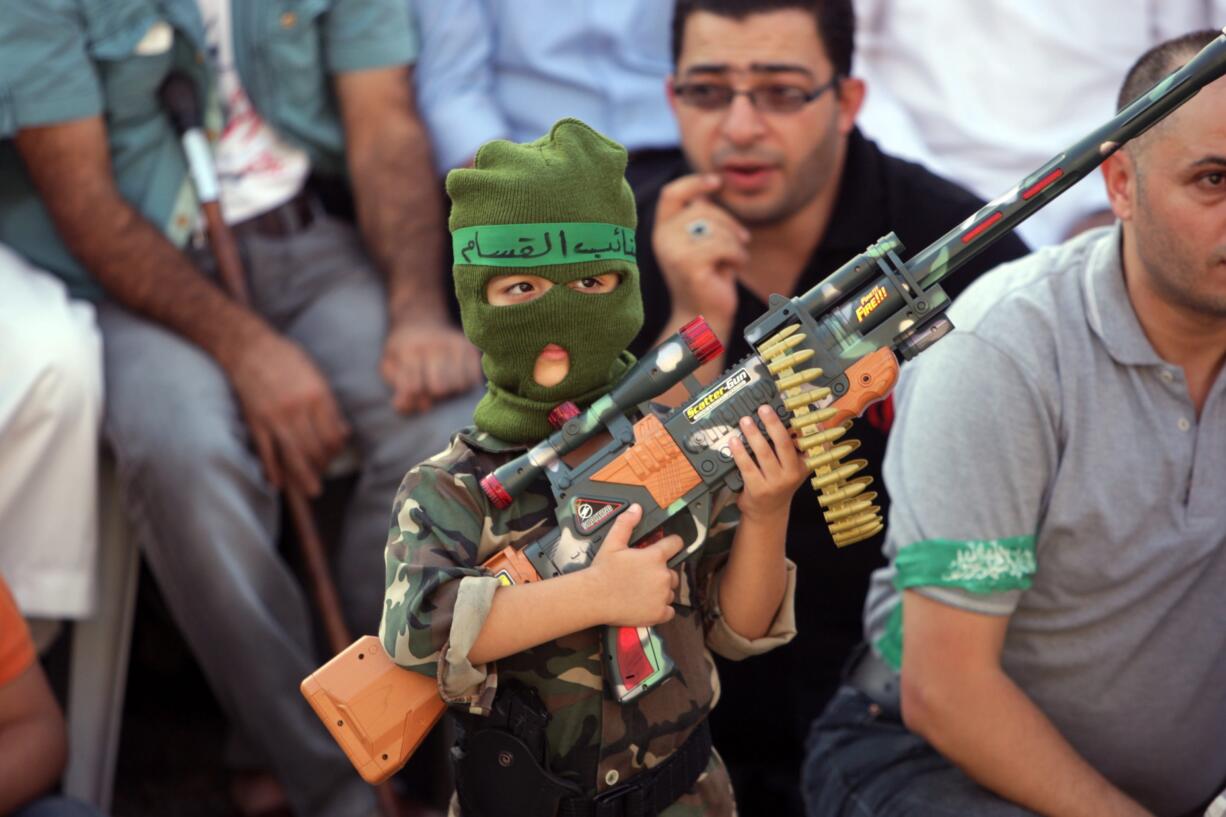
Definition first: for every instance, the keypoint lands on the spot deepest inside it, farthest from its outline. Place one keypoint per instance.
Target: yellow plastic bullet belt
(848, 508)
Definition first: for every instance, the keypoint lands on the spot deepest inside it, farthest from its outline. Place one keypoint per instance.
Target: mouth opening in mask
(552, 366)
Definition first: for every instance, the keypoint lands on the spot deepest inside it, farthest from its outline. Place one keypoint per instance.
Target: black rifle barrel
(948, 253)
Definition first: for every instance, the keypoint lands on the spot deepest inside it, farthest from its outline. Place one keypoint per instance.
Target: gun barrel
(954, 249)
(1034, 192)
(848, 279)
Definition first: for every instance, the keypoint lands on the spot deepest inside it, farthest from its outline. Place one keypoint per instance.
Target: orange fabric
(16, 646)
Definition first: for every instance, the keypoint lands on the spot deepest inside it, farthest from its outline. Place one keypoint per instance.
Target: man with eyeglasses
(775, 190)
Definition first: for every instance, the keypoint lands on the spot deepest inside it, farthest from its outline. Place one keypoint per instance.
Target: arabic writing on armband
(539, 245)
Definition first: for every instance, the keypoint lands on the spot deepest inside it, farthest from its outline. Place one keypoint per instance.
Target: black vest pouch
(499, 760)
(498, 776)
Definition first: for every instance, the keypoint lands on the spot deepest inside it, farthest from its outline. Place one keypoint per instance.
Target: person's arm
(294, 420)
(448, 617)
(454, 78)
(400, 212)
(753, 582)
(33, 742)
(957, 697)
(137, 266)
(624, 587)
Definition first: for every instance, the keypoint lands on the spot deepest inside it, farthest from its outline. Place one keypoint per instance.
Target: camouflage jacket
(438, 596)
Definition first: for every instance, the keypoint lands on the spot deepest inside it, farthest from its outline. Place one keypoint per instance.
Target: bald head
(1154, 66)
(1168, 189)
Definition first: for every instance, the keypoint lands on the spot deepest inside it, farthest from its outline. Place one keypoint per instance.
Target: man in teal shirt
(212, 405)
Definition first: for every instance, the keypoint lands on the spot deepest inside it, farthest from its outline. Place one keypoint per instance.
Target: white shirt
(50, 413)
(257, 169)
(509, 69)
(986, 92)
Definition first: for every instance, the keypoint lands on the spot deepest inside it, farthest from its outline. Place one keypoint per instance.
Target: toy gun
(819, 361)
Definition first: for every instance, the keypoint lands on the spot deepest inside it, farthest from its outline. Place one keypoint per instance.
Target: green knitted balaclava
(559, 208)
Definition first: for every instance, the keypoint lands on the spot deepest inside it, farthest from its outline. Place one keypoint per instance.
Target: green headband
(558, 208)
(542, 244)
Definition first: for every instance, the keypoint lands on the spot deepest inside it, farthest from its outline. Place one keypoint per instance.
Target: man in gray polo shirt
(1056, 594)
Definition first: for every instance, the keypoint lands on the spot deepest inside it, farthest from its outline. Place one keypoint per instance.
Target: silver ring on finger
(698, 228)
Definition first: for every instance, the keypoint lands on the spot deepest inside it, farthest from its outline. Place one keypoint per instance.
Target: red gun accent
(562, 414)
(1042, 183)
(495, 492)
(982, 227)
(881, 415)
(702, 341)
(631, 657)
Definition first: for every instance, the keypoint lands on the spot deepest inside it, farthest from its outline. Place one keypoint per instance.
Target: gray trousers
(207, 519)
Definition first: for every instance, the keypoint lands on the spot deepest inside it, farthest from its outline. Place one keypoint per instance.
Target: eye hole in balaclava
(563, 315)
(499, 291)
(558, 208)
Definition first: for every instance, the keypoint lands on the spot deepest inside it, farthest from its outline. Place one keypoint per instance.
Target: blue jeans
(57, 807)
(859, 762)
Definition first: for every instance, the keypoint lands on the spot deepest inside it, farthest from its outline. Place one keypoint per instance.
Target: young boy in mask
(526, 659)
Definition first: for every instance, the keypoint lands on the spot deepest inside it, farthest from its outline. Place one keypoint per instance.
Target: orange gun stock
(378, 712)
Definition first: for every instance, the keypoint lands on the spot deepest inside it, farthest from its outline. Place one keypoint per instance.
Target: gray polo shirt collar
(1109, 310)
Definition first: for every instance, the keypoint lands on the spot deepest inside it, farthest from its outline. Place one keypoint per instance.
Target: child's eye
(508, 290)
(597, 284)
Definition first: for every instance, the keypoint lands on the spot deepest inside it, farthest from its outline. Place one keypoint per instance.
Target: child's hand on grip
(771, 469)
(638, 586)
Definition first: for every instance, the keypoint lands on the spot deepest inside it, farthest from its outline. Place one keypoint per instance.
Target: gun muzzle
(658, 371)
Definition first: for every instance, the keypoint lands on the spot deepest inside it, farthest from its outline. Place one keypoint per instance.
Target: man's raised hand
(701, 249)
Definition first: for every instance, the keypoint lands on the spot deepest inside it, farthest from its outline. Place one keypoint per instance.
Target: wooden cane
(178, 96)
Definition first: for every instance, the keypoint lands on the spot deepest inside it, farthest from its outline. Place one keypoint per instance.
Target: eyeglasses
(778, 98)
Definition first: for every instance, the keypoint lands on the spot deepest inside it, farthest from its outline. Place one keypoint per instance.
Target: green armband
(976, 566)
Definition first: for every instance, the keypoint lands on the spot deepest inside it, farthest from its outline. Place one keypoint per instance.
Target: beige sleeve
(459, 682)
(723, 640)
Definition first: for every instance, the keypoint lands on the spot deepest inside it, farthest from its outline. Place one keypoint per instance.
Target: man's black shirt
(769, 701)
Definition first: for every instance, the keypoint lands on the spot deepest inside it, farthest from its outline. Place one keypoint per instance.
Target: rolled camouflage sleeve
(727, 642)
(720, 638)
(437, 596)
